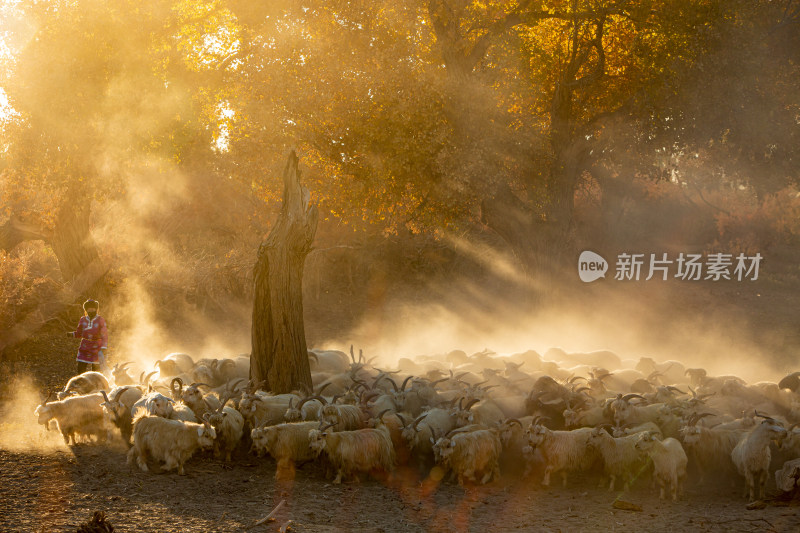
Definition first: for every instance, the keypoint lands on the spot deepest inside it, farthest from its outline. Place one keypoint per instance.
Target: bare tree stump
(279, 355)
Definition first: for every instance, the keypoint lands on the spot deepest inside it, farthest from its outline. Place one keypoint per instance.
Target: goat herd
(477, 417)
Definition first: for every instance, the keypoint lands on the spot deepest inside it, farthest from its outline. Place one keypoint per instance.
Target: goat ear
(200, 431)
(431, 440)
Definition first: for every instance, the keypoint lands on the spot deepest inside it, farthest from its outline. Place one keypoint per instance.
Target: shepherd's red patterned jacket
(93, 335)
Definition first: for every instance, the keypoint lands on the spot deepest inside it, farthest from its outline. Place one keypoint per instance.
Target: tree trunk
(279, 353)
(72, 240)
(14, 231)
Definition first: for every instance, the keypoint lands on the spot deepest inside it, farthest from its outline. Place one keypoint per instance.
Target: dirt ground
(45, 486)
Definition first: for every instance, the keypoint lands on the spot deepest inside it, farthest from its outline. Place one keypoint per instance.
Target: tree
(589, 62)
(279, 355)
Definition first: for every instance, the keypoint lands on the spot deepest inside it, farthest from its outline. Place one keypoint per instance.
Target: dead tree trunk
(279, 355)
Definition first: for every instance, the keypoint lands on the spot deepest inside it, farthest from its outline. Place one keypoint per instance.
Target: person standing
(93, 333)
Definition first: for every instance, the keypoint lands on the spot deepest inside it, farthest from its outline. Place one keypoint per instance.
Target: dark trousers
(87, 367)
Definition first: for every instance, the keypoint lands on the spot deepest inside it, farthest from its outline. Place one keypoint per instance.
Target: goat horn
(417, 421)
(402, 420)
(380, 415)
(470, 404)
(325, 386)
(352, 354)
(676, 389)
(120, 391)
(322, 400)
(105, 396)
(512, 420)
(629, 397)
(405, 382)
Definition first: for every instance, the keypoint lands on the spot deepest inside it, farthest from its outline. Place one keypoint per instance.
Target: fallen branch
(270, 516)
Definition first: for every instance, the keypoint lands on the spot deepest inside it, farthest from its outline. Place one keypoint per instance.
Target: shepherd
(94, 339)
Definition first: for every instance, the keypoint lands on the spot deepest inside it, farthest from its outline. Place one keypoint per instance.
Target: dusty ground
(45, 486)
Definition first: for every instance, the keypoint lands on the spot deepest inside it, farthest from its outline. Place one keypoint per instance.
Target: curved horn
(703, 415)
(629, 397)
(105, 396)
(360, 355)
(675, 389)
(573, 379)
(325, 386)
(370, 394)
(380, 415)
(470, 403)
(233, 384)
(352, 354)
(417, 421)
(765, 417)
(402, 420)
(433, 383)
(394, 385)
(322, 400)
(405, 382)
(176, 391)
(148, 376)
(510, 421)
(120, 392)
(200, 385)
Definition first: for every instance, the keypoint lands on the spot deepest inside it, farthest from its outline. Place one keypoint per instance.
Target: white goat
(752, 455)
(170, 441)
(669, 462)
(351, 452)
(288, 444)
(562, 451)
(469, 454)
(620, 457)
(76, 416)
